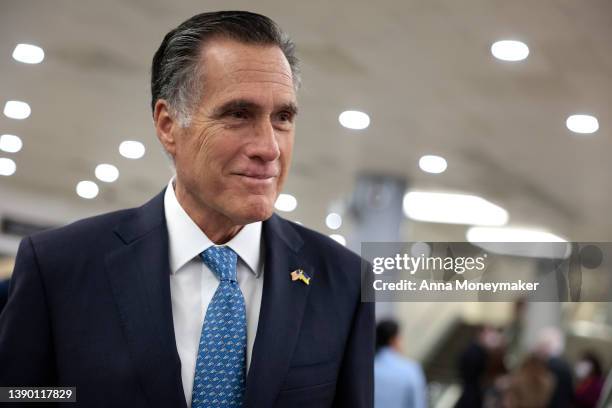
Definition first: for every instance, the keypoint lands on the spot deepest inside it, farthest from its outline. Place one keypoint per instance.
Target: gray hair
(176, 72)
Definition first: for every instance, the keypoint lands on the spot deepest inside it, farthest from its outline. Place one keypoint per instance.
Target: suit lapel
(139, 275)
(280, 317)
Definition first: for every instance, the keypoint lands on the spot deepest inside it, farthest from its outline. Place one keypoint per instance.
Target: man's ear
(396, 343)
(166, 126)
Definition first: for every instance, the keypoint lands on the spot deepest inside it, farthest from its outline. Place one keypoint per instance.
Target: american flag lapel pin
(300, 275)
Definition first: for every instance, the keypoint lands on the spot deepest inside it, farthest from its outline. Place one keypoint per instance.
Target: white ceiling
(421, 69)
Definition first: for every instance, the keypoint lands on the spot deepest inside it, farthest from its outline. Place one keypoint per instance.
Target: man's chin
(255, 210)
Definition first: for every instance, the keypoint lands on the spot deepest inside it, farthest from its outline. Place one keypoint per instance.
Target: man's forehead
(236, 61)
(256, 89)
(237, 71)
(263, 76)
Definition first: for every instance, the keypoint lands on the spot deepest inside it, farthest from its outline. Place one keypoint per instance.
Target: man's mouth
(257, 180)
(258, 175)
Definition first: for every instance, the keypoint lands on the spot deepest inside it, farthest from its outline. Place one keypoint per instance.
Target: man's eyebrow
(245, 104)
(233, 105)
(290, 107)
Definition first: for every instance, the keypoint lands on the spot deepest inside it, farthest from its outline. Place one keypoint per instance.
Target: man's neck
(217, 227)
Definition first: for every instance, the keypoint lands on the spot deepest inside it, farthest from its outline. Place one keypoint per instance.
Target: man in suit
(202, 297)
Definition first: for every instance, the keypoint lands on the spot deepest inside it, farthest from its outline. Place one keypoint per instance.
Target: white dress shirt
(192, 284)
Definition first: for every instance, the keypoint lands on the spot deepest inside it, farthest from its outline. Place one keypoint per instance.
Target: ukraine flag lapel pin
(300, 275)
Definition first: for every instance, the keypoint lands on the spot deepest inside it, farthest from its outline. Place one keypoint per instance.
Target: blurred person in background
(513, 334)
(472, 367)
(398, 381)
(481, 364)
(549, 347)
(590, 379)
(531, 385)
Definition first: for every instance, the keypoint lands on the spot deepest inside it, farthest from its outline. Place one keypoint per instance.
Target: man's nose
(264, 144)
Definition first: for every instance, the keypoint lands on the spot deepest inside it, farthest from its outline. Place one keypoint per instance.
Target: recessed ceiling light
(28, 53)
(7, 166)
(523, 242)
(285, 202)
(132, 149)
(17, 110)
(353, 119)
(338, 238)
(582, 124)
(10, 143)
(509, 50)
(433, 164)
(87, 189)
(333, 221)
(453, 209)
(107, 173)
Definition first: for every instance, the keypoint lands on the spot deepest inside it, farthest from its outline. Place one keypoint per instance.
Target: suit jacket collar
(147, 218)
(282, 309)
(139, 276)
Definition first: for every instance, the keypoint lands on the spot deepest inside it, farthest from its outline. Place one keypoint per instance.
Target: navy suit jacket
(89, 306)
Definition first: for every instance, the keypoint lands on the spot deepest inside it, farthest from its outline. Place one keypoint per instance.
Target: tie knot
(222, 261)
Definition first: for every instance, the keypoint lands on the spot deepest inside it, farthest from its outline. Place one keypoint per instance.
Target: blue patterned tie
(220, 373)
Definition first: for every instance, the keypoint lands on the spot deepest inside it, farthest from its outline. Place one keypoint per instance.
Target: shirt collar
(187, 240)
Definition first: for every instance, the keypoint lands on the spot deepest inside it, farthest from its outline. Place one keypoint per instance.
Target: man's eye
(285, 117)
(238, 114)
